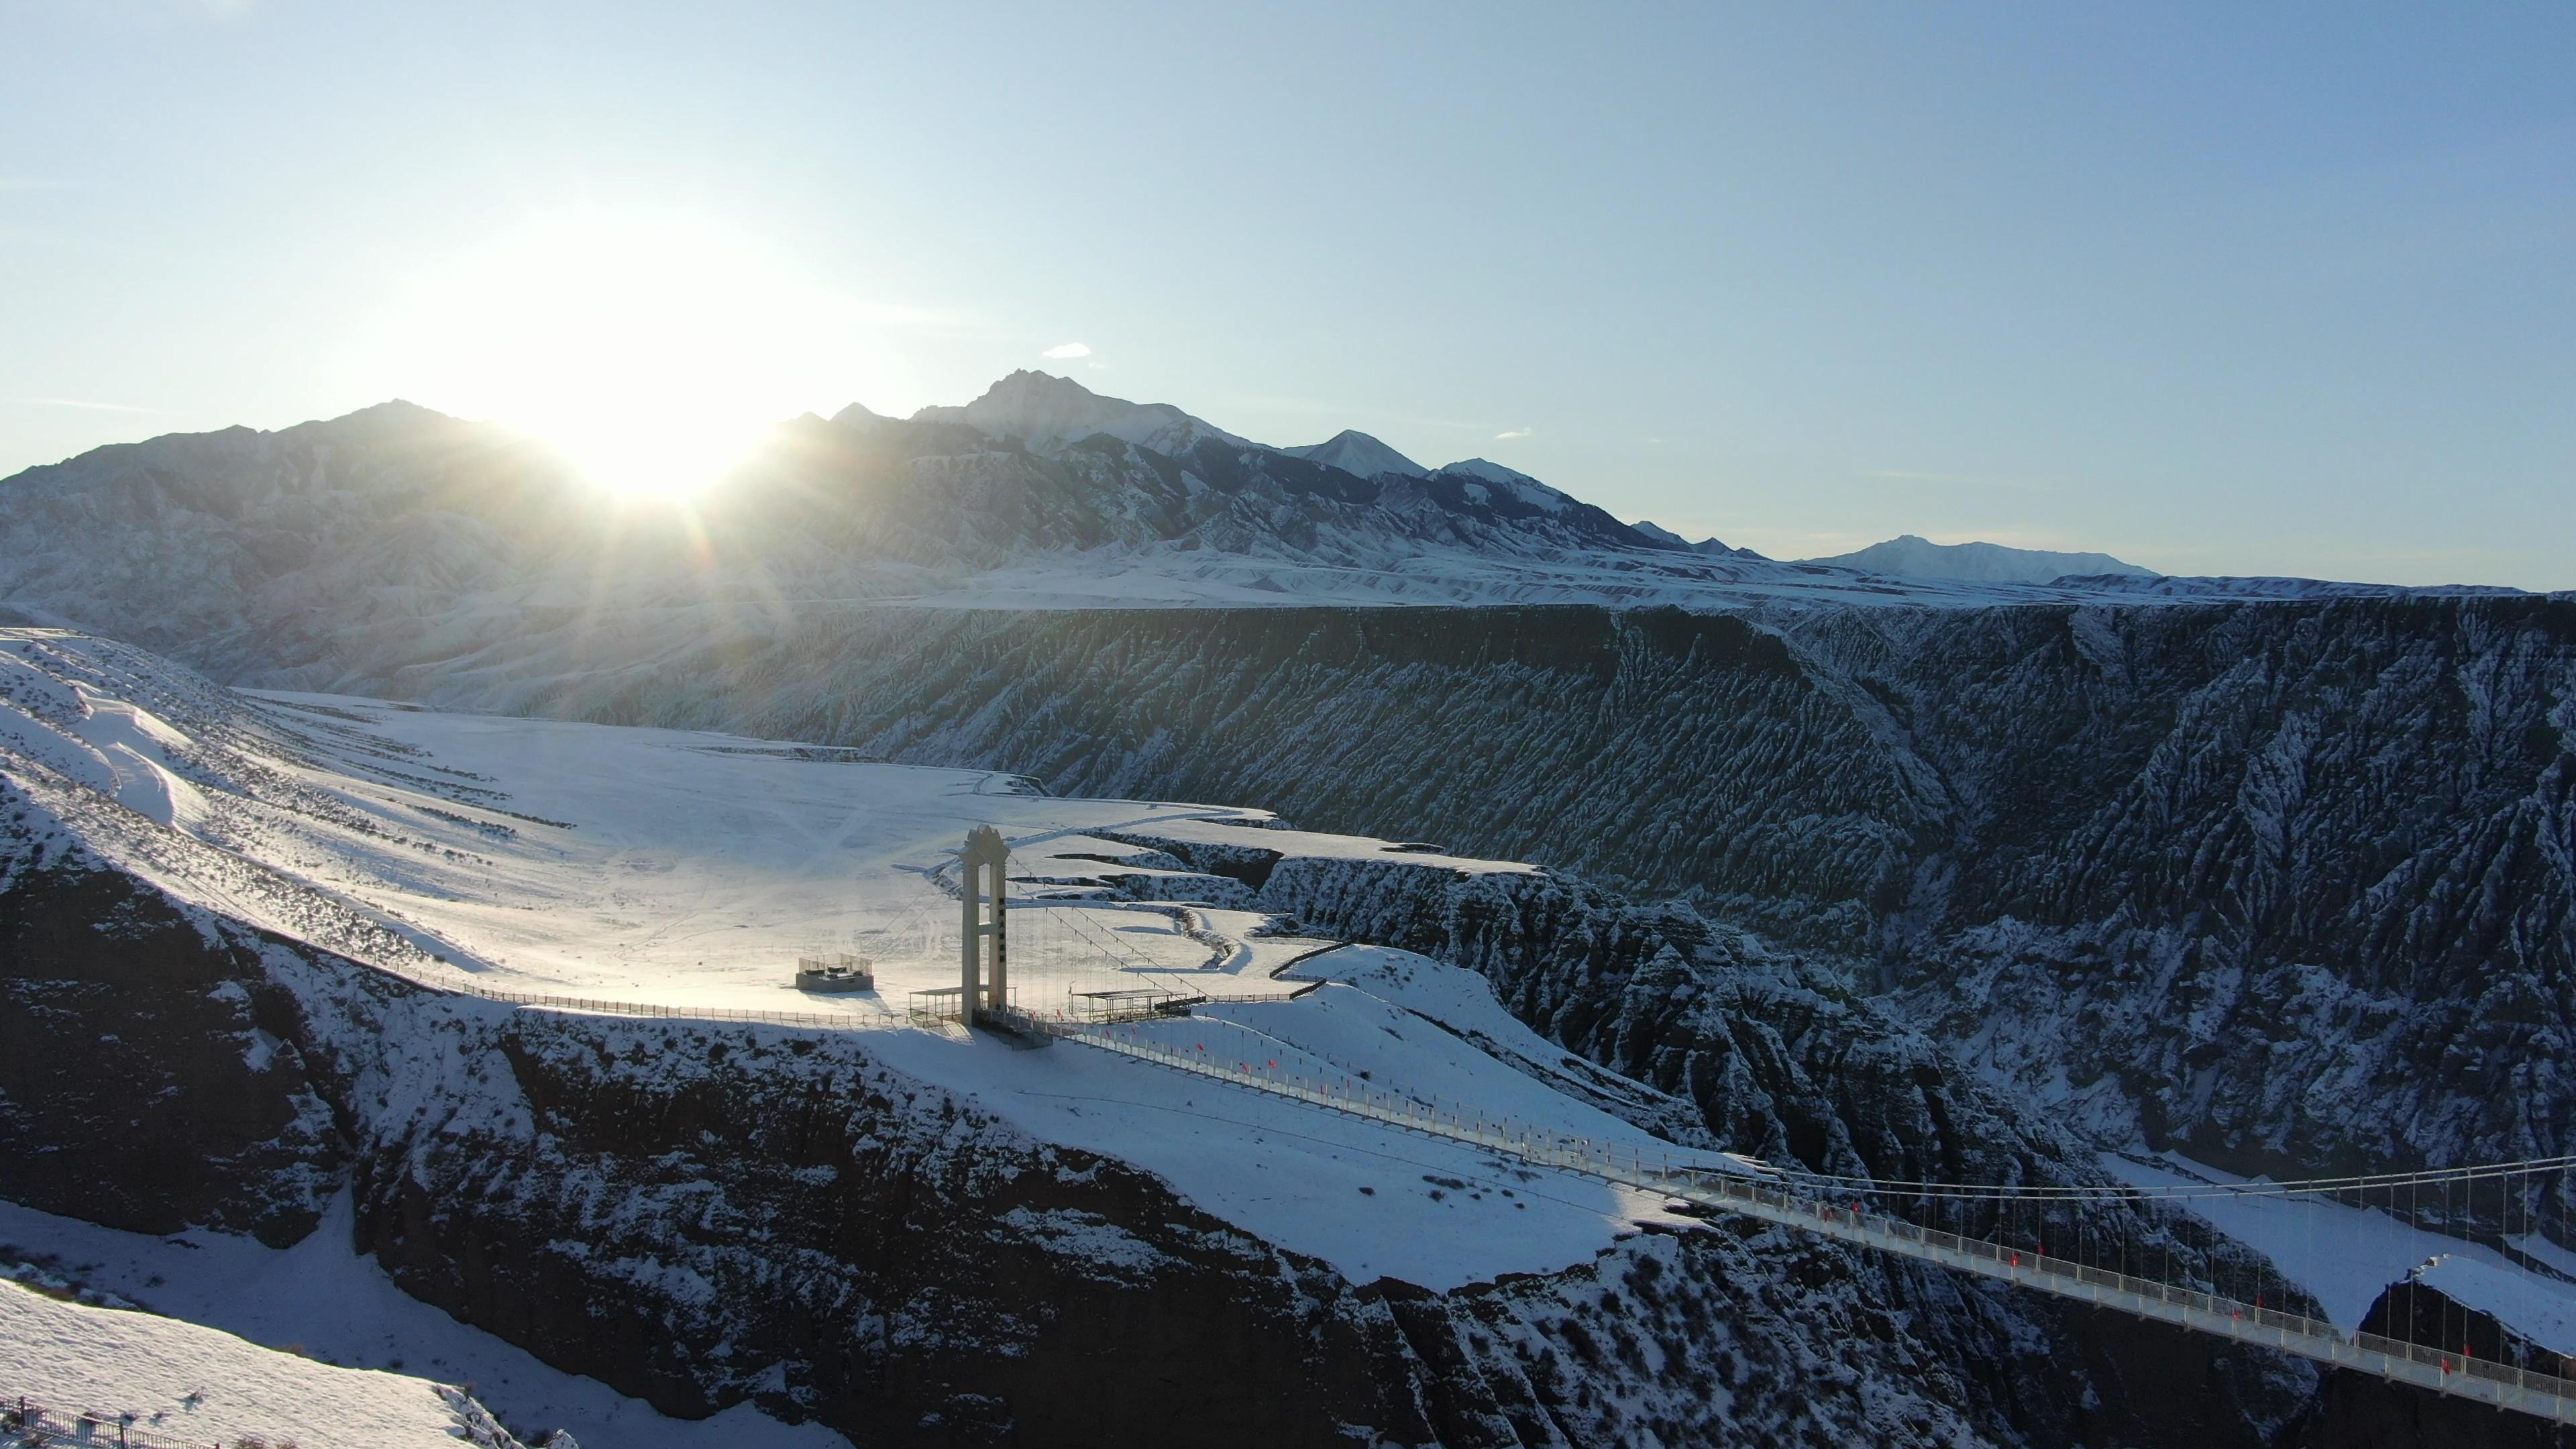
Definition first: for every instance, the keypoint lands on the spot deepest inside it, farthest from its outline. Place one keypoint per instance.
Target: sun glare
(651, 353)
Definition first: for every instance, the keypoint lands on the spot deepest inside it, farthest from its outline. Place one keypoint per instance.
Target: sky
(2231, 289)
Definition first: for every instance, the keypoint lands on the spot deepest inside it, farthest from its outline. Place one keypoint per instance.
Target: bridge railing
(1772, 1198)
(1627, 1165)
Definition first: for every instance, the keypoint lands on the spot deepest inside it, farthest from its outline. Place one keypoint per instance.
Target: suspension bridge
(2001, 1232)
(2487, 1200)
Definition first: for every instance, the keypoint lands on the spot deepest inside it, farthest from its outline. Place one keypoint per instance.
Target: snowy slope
(646, 865)
(340, 1308)
(691, 870)
(180, 1380)
(679, 1174)
(2347, 1256)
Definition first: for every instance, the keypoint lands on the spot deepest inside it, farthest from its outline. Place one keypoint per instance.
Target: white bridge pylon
(983, 940)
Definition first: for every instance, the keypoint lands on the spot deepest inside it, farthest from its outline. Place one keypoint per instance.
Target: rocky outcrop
(150, 1078)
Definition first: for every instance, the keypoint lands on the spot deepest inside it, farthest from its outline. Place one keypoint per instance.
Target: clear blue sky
(2246, 289)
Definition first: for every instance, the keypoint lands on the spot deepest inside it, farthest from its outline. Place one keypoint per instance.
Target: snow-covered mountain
(351, 550)
(1911, 557)
(2167, 864)
(1713, 547)
(1047, 412)
(1359, 454)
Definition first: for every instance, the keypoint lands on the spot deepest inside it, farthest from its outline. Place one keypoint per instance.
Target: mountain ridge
(1911, 555)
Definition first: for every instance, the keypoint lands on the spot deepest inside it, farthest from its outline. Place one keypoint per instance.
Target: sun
(652, 352)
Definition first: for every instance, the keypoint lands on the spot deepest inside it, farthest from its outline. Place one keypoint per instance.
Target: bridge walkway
(1771, 1197)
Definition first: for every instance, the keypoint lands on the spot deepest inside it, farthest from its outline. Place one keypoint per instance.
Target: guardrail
(1742, 1190)
(25, 1422)
(843, 1019)
(2545, 1395)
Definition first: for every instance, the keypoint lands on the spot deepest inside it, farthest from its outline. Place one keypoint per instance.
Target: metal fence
(24, 1422)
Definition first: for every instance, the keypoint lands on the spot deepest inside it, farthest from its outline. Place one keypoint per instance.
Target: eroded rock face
(150, 1077)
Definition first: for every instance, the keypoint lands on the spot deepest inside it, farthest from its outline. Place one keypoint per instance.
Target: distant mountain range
(1910, 557)
(335, 551)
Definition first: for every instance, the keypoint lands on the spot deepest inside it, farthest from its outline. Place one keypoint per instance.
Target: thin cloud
(1064, 350)
(73, 402)
(1514, 433)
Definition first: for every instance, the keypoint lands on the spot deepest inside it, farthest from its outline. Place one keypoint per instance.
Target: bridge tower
(981, 880)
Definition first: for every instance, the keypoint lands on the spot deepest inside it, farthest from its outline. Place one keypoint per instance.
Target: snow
(1357, 452)
(182, 1380)
(691, 870)
(2538, 1309)
(662, 866)
(226, 1294)
(1371, 1200)
(2347, 1256)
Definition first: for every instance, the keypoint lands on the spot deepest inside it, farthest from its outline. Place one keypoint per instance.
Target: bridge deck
(2544, 1395)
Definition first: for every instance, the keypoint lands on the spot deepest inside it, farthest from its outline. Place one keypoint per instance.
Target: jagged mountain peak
(1490, 471)
(1047, 412)
(1356, 452)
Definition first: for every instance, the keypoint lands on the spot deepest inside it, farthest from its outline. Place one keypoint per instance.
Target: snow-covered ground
(1372, 1200)
(323, 1301)
(657, 866)
(181, 1380)
(2538, 1309)
(691, 870)
(2347, 1256)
